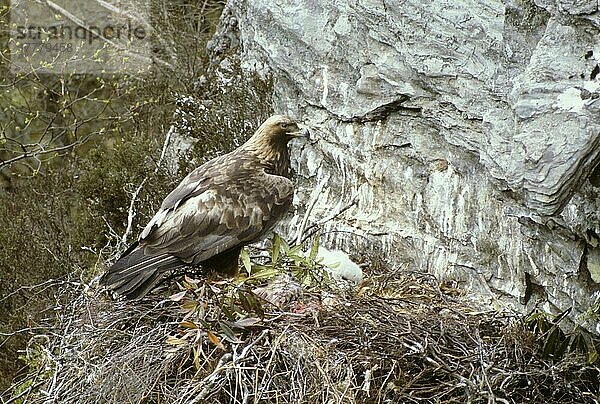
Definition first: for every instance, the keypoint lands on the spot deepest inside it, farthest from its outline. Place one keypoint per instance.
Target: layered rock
(461, 137)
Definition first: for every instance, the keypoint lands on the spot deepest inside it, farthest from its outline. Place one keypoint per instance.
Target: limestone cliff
(461, 136)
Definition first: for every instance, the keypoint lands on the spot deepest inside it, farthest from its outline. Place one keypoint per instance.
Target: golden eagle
(221, 206)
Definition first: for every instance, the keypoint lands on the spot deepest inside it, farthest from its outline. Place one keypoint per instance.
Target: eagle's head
(279, 129)
(269, 142)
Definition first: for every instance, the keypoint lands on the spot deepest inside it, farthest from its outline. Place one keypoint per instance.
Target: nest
(401, 338)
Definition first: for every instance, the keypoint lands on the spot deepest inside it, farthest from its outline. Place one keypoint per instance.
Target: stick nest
(400, 338)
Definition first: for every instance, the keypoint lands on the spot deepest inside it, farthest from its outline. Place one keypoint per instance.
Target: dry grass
(399, 338)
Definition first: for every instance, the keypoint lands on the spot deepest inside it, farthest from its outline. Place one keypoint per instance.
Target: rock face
(460, 136)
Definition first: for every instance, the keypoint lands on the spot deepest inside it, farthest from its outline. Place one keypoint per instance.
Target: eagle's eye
(284, 125)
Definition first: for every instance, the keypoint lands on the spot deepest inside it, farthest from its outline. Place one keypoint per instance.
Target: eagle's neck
(273, 156)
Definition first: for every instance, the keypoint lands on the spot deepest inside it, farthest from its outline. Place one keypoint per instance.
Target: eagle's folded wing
(219, 218)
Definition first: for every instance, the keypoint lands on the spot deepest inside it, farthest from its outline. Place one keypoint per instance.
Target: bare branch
(41, 151)
(315, 197)
(131, 213)
(55, 7)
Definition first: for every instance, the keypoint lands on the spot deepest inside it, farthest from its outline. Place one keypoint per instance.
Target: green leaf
(314, 249)
(255, 304)
(554, 344)
(257, 268)
(196, 358)
(205, 324)
(266, 273)
(189, 305)
(276, 248)
(295, 250)
(244, 302)
(228, 312)
(246, 261)
(307, 280)
(228, 332)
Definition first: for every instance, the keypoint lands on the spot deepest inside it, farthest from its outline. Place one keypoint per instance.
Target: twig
(41, 151)
(328, 218)
(131, 213)
(314, 198)
(209, 381)
(248, 347)
(26, 391)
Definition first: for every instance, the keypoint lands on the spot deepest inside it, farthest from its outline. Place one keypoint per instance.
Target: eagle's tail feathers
(135, 274)
(139, 286)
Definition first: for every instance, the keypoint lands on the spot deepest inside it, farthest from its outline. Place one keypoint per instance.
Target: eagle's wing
(195, 183)
(223, 205)
(207, 215)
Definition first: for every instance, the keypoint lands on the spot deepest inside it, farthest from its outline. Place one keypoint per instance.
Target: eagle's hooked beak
(303, 133)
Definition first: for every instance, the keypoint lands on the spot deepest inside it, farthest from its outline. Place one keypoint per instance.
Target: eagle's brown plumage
(226, 203)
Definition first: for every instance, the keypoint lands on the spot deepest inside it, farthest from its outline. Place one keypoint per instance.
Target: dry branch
(399, 338)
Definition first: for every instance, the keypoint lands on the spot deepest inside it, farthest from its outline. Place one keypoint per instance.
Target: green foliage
(555, 343)
(33, 359)
(216, 312)
(305, 267)
(108, 179)
(221, 312)
(224, 113)
(40, 238)
(245, 257)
